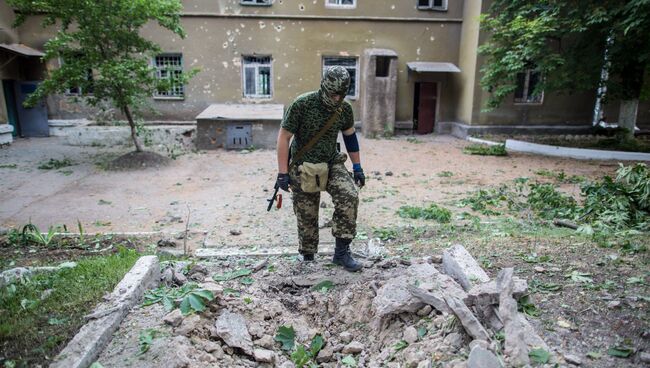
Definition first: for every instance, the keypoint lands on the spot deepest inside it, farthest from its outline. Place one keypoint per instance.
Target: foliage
(620, 352)
(233, 275)
(188, 298)
(565, 41)
(433, 212)
(445, 174)
(486, 150)
(548, 203)
(286, 335)
(400, 345)
(349, 361)
(526, 306)
(145, 339)
(539, 356)
(34, 326)
(323, 286)
(385, 234)
(300, 355)
(32, 234)
(54, 164)
(103, 38)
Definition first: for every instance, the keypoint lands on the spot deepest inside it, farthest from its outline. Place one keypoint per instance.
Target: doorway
(424, 107)
(10, 102)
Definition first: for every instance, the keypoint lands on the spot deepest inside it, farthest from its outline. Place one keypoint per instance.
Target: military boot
(343, 256)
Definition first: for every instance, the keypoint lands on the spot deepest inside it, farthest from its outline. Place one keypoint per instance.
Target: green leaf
(635, 280)
(317, 344)
(594, 355)
(581, 277)
(539, 356)
(323, 286)
(300, 357)
(400, 345)
(205, 294)
(167, 303)
(247, 280)
(620, 352)
(96, 365)
(231, 291)
(232, 275)
(53, 321)
(349, 361)
(248, 300)
(195, 302)
(422, 331)
(286, 335)
(185, 307)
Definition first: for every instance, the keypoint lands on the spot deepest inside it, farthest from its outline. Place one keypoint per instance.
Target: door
(426, 99)
(10, 102)
(33, 121)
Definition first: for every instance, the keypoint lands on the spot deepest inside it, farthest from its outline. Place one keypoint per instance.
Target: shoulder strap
(315, 138)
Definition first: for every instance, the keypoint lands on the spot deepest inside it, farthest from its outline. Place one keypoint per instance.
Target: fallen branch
(565, 223)
(260, 265)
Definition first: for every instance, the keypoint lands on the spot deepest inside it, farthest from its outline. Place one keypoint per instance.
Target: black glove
(359, 177)
(283, 182)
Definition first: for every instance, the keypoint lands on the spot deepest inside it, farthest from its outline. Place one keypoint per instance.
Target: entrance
(424, 107)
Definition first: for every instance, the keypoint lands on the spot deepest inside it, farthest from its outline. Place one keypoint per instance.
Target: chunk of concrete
(515, 344)
(263, 355)
(173, 318)
(487, 294)
(459, 264)
(91, 339)
(469, 321)
(480, 357)
(231, 327)
(353, 348)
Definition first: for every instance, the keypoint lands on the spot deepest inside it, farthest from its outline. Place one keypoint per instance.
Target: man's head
(334, 86)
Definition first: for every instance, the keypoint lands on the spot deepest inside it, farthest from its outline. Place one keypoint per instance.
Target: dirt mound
(138, 160)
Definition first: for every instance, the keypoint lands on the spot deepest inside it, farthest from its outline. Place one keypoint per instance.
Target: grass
(33, 329)
(433, 212)
(485, 150)
(54, 164)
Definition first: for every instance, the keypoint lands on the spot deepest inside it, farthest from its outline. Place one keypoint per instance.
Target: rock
(413, 357)
(573, 359)
(256, 330)
(263, 356)
(173, 318)
(486, 293)
(613, 304)
(459, 264)
(540, 269)
(188, 325)
(10, 276)
(480, 357)
(425, 311)
(231, 327)
(198, 268)
(482, 343)
(436, 258)
(288, 364)
(353, 348)
(345, 337)
(266, 342)
(167, 276)
(235, 232)
(469, 321)
(167, 243)
(67, 265)
(179, 279)
(388, 173)
(455, 340)
(210, 346)
(178, 357)
(410, 335)
(515, 344)
(325, 355)
(215, 288)
(425, 364)
(644, 357)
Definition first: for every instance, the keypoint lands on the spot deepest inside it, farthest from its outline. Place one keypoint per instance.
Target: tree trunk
(134, 134)
(627, 116)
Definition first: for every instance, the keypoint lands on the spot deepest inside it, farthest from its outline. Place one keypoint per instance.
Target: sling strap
(315, 138)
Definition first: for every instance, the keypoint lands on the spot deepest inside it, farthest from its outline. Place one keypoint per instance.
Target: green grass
(54, 164)
(32, 329)
(433, 212)
(485, 150)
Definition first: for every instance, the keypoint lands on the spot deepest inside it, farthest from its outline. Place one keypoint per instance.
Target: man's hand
(283, 182)
(359, 177)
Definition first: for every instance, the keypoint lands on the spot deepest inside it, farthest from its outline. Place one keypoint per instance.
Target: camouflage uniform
(304, 118)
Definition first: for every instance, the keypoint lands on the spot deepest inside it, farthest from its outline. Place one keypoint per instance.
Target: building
(270, 51)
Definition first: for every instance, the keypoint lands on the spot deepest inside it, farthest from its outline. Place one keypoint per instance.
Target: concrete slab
(459, 264)
(259, 251)
(89, 342)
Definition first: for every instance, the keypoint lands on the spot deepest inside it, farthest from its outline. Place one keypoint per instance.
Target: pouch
(313, 177)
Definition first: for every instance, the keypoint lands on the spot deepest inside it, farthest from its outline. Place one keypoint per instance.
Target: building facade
(270, 51)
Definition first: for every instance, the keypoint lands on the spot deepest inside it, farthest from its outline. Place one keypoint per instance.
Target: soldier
(304, 119)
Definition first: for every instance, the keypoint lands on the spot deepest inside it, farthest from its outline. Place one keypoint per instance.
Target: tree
(566, 41)
(102, 37)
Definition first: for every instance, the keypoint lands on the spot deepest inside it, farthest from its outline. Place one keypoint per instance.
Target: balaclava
(335, 81)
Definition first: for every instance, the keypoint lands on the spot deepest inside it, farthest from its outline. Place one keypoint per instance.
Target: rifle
(274, 197)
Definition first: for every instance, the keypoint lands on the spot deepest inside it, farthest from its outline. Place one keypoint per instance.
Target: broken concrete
(88, 343)
(483, 358)
(231, 327)
(515, 345)
(469, 321)
(459, 264)
(487, 294)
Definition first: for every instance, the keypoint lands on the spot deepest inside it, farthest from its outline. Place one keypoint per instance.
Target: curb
(576, 153)
(483, 141)
(93, 337)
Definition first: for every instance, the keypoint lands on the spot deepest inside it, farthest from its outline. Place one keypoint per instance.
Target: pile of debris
(395, 313)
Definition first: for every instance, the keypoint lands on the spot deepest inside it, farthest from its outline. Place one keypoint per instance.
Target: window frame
(337, 5)
(442, 8)
(254, 3)
(158, 70)
(526, 99)
(357, 68)
(256, 66)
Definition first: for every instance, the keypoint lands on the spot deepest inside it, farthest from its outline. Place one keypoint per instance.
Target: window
(341, 4)
(77, 89)
(257, 76)
(526, 84)
(349, 63)
(382, 67)
(170, 66)
(256, 2)
(432, 5)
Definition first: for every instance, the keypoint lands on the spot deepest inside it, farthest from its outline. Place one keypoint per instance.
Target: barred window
(526, 84)
(432, 5)
(341, 3)
(349, 63)
(170, 66)
(256, 76)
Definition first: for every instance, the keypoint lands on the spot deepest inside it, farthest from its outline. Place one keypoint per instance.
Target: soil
(138, 161)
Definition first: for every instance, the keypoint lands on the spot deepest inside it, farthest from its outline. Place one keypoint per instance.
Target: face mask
(336, 81)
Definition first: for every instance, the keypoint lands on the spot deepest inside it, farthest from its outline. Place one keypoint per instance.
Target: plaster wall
(8, 34)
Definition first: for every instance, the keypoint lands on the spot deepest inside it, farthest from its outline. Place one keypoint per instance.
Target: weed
(549, 203)
(31, 233)
(445, 174)
(54, 164)
(485, 150)
(433, 212)
(413, 140)
(8, 166)
(385, 234)
(188, 298)
(146, 339)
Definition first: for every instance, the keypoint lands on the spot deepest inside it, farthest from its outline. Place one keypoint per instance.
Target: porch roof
(21, 49)
(432, 67)
(243, 112)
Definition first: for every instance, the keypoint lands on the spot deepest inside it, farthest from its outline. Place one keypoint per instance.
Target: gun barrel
(272, 199)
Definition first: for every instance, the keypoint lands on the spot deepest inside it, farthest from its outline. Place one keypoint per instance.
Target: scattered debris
(231, 327)
(459, 264)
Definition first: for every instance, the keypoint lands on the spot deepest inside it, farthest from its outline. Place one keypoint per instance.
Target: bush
(433, 212)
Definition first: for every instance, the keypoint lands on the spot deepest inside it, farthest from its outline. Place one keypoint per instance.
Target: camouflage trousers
(345, 196)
